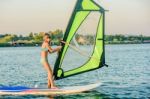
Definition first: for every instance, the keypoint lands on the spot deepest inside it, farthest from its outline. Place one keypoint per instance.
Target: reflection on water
(126, 77)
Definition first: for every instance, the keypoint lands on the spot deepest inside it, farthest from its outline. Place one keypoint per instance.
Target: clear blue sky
(24, 16)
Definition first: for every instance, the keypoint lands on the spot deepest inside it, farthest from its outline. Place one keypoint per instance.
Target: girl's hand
(59, 48)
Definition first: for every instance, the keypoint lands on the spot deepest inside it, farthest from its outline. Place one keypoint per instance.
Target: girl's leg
(49, 78)
(50, 75)
(48, 82)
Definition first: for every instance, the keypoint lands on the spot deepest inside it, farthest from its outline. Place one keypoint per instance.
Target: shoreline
(34, 45)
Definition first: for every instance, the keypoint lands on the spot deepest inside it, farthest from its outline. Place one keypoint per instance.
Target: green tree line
(33, 39)
(126, 38)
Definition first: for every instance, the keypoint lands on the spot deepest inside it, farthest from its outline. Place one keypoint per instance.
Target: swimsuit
(44, 59)
(44, 49)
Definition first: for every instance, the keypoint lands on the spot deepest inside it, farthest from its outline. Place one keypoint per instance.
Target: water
(128, 74)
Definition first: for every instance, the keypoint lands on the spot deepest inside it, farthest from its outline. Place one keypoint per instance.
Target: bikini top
(44, 49)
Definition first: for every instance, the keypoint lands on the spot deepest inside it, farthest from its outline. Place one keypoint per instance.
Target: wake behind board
(39, 91)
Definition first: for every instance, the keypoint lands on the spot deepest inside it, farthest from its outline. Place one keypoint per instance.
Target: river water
(128, 74)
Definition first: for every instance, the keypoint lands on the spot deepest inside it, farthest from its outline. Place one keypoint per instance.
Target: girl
(44, 58)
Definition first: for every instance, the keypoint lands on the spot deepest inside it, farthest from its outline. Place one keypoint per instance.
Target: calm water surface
(128, 74)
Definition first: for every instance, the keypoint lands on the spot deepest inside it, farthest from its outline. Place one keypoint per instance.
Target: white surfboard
(60, 91)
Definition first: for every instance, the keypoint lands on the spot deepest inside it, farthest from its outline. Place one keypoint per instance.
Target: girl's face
(47, 39)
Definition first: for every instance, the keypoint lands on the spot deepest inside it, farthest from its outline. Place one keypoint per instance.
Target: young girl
(46, 48)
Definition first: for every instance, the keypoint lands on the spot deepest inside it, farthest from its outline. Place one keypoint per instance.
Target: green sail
(81, 11)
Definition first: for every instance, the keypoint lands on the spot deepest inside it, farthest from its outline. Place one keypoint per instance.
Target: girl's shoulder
(43, 44)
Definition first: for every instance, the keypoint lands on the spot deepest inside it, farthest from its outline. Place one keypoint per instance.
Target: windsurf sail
(81, 22)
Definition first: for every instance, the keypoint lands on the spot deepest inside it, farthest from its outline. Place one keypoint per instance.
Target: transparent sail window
(82, 44)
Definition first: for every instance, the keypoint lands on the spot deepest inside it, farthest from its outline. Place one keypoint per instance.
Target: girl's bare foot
(54, 87)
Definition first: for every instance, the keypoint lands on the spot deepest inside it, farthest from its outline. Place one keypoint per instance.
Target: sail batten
(81, 12)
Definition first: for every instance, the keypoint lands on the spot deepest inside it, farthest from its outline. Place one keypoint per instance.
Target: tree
(38, 38)
(20, 36)
(31, 35)
(14, 38)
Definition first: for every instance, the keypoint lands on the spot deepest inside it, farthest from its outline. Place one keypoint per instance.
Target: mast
(56, 66)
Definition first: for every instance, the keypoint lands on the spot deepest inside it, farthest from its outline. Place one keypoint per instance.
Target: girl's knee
(49, 73)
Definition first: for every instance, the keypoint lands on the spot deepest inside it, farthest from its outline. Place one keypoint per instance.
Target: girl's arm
(51, 50)
(57, 49)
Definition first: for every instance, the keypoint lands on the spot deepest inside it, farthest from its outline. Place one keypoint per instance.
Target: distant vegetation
(35, 39)
(126, 39)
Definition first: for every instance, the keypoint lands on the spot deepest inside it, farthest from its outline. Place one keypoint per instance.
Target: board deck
(40, 91)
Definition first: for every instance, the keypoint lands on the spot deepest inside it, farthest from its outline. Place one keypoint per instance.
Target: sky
(131, 17)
